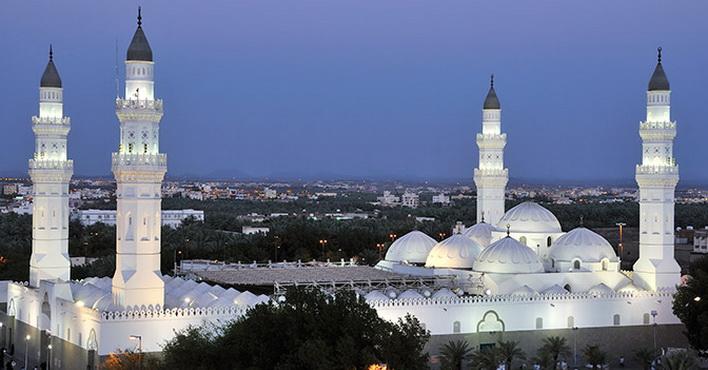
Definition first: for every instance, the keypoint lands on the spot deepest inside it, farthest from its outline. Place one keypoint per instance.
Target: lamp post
(49, 355)
(323, 242)
(27, 339)
(175, 259)
(653, 315)
(575, 346)
(621, 226)
(139, 338)
(441, 235)
(380, 247)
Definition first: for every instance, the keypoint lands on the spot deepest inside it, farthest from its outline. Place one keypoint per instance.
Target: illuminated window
(522, 240)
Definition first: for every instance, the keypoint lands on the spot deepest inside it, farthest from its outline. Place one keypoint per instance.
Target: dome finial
(51, 53)
(491, 81)
(482, 216)
(581, 220)
(140, 17)
(658, 54)
(508, 230)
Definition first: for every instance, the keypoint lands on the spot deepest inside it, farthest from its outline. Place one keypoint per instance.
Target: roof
(139, 49)
(50, 77)
(480, 232)
(658, 81)
(271, 276)
(491, 101)
(508, 256)
(583, 244)
(457, 251)
(413, 247)
(529, 217)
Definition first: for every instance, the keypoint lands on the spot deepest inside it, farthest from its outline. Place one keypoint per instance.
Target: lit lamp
(27, 339)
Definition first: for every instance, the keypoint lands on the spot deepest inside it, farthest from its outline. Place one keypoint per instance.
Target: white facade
(171, 218)
(491, 177)
(441, 199)
(700, 241)
(410, 200)
(50, 171)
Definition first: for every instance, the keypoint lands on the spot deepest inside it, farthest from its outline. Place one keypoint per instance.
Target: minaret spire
(658, 56)
(51, 53)
(491, 177)
(140, 17)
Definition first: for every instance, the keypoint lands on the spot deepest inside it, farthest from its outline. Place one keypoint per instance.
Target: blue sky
(358, 89)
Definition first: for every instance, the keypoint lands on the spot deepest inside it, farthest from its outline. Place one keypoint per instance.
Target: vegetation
(680, 360)
(486, 359)
(310, 330)
(594, 356)
(454, 355)
(690, 305)
(509, 352)
(555, 349)
(645, 357)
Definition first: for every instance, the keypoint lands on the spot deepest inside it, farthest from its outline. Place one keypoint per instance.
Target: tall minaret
(139, 168)
(50, 171)
(657, 177)
(491, 177)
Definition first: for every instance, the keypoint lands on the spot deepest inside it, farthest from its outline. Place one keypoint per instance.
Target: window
(567, 287)
(571, 322)
(539, 323)
(522, 240)
(549, 241)
(456, 327)
(605, 265)
(576, 265)
(616, 319)
(645, 319)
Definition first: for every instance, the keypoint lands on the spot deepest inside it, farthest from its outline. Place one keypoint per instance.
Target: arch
(646, 319)
(490, 322)
(522, 240)
(571, 322)
(576, 264)
(539, 323)
(456, 327)
(549, 241)
(11, 310)
(616, 320)
(605, 264)
(567, 287)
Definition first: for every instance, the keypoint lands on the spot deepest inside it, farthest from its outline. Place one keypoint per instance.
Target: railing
(153, 314)
(490, 172)
(51, 120)
(155, 105)
(43, 164)
(664, 125)
(121, 159)
(648, 170)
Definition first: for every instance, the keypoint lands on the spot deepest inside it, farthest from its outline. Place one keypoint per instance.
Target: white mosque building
(513, 271)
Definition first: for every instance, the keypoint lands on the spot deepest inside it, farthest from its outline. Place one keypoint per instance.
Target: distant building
(441, 199)
(9, 189)
(270, 193)
(700, 241)
(171, 218)
(252, 230)
(388, 199)
(410, 200)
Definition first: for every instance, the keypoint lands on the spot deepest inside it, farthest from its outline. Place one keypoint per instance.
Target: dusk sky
(366, 89)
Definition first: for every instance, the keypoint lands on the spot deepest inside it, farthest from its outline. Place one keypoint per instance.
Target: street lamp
(323, 242)
(441, 235)
(49, 359)
(654, 313)
(139, 338)
(392, 236)
(621, 226)
(27, 339)
(176, 252)
(575, 345)
(380, 247)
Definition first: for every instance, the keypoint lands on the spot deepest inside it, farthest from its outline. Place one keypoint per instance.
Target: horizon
(347, 91)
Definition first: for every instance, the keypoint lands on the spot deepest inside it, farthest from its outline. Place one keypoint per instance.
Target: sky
(365, 88)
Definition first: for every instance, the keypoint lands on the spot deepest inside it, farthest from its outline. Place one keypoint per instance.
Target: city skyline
(349, 91)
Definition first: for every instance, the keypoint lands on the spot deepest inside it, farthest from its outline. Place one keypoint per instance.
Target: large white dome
(583, 244)
(529, 217)
(413, 247)
(481, 233)
(508, 256)
(457, 251)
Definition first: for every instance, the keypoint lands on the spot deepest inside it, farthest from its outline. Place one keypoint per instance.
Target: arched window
(549, 241)
(567, 287)
(456, 327)
(571, 322)
(522, 240)
(576, 265)
(616, 319)
(645, 319)
(539, 323)
(605, 264)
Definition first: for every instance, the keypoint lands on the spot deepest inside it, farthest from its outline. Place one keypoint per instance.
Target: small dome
(50, 77)
(529, 217)
(457, 251)
(508, 256)
(659, 81)
(555, 289)
(375, 295)
(410, 294)
(524, 291)
(444, 293)
(481, 233)
(413, 247)
(492, 101)
(583, 244)
(601, 289)
(139, 49)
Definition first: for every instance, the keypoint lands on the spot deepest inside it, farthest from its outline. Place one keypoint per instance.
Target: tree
(454, 354)
(645, 357)
(690, 308)
(556, 348)
(681, 360)
(510, 351)
(486, 359)
(594, 356)
(309, 330)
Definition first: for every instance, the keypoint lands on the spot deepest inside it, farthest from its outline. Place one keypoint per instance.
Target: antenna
(116, 70)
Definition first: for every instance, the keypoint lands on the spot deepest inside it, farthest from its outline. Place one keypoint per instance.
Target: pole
(27, 338)
(49, 360)
(140, 352)
(575, 346)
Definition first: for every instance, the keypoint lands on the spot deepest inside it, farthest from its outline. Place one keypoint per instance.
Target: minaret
(50, 171)
(657, 177)
(491, 177)
(139, 168)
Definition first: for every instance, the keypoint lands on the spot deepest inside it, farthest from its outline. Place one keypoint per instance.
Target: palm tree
(645, 356)
(678, 361)
(486, 359)
(543, 358)
(454, 354)
(594, 356)
(556, 347)
(510, 351)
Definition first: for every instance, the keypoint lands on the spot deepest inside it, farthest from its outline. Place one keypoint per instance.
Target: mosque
(514, 271)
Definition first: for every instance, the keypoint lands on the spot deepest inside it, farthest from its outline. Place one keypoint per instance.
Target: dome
(410, 294)
(139, 49)
(659, 81)
(413, 247)
(583, 244)
(480, 232)
(50, 77)
(555, 289)
(601, 289)
(492, 101)
(374, 296)
(508, 256)
(524, 291)
(457, 251)
(444, 293)
(529, 217)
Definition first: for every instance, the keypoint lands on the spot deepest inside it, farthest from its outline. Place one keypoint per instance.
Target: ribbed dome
(582, 244)
(457, 251)
(139, 49)
(658, 81)
(481, 233)
(50, 77)
(492, 101)
(530, 217)
(413, 247)
(508, 256)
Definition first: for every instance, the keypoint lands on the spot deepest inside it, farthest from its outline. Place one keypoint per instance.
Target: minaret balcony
(50, 123)
(657, 125)
(139, 110)
(49, 164)
(491, 172)
(158, 161)
(493, 141)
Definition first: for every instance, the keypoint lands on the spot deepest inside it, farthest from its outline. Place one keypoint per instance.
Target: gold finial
(483, 211)
(491, 81)
(140, 17)
(658, 54)
(508, 230)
